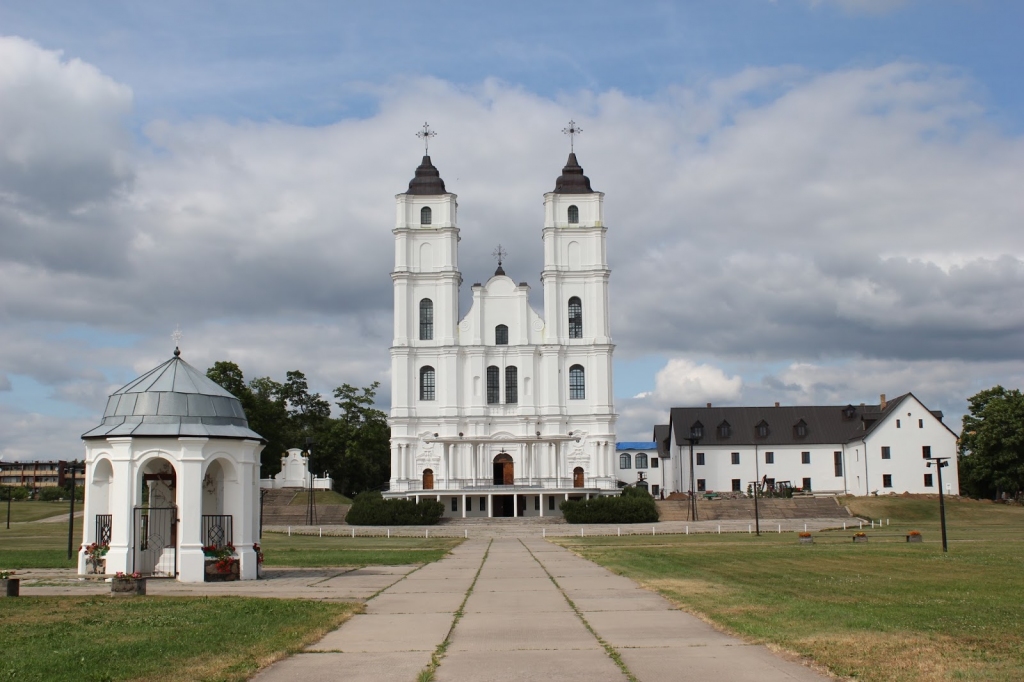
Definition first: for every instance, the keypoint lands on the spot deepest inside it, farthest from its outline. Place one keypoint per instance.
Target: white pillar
(191, 562)
(490, 505)
(541, 496)
(515, 505)
(463, 506)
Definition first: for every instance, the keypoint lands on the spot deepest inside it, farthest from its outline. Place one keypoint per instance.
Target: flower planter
(915, 538)
(96, 566)
(212, 574)
(806, 541)
(860, 538)
(128, 588)
(12, 587)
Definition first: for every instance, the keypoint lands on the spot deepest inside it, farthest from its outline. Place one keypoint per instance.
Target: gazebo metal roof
(173, 399)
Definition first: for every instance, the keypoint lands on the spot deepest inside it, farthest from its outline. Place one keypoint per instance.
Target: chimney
(776, 403)
(881, 402)
(709, 405)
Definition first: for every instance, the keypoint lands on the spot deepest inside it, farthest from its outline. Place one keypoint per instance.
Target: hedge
(635, 505)
(371, 509)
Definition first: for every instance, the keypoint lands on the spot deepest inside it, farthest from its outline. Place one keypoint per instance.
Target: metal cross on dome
(425, 135)
(176, 336)
(500, 253)
(572, 131)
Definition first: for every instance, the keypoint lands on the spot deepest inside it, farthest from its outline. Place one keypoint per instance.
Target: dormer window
(800, 429)
(724, 430)
(761, 429)
(849, 412)
(425, 216)
(574, 215)
(697, 431)
(501, 335)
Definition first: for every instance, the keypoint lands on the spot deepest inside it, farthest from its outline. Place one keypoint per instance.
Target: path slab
(530, 666)
(356, 667)
(517, 630)
(387, 632)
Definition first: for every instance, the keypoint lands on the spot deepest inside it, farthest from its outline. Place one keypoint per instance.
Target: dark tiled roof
(661, 437)
(572, 180)
(427, 180)
(824, 423)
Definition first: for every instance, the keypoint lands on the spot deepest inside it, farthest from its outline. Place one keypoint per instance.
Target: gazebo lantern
(173, 468)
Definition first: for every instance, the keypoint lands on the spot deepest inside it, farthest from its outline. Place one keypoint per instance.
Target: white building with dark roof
(841, 449)
(504, 410)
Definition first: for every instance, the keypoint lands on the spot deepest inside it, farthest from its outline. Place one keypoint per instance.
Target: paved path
(532, 611)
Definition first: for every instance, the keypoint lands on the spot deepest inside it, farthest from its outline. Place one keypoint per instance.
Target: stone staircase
(743, 509)
(278, 509)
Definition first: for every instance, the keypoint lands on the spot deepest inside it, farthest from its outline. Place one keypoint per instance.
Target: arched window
(426, 383)
(577, 383)
(493, 390)
(574, 215)
(575, 318)
(625, 461)
(425, 216)
(426, 320)
(511, 385)
(501, 335)
(641, 460)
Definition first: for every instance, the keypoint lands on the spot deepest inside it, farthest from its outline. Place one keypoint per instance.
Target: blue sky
(811, 201)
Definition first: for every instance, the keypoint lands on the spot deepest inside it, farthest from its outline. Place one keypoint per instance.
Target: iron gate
(155, 541)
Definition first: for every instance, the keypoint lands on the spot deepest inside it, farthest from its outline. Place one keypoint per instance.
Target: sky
(808, 201)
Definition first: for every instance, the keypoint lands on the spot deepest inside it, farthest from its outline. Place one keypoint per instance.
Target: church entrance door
(428, 479)
(503, 505)
(577, 477)
(504, 472)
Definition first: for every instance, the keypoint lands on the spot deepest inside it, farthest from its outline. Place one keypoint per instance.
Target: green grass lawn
(885, 610)
(34, 510)
(302, 550)
(38, 545)
(155, 638)
(322, 497)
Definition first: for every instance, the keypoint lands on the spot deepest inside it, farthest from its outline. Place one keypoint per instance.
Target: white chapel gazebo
(173, 467)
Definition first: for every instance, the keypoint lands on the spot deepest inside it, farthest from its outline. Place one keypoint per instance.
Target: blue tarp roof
(636, 445)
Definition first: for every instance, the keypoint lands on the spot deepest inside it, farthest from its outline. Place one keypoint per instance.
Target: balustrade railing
(218, 530)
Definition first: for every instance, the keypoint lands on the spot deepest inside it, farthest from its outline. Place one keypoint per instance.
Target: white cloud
(777, 215)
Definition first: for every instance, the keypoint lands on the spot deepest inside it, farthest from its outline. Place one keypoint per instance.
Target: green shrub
(15, 492)
(371, 509)
(635, 505)
(59, 493)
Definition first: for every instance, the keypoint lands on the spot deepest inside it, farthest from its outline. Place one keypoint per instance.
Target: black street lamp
(940, 463)
(69, 481)
(691, 513)
(311, 508)
(10, 494)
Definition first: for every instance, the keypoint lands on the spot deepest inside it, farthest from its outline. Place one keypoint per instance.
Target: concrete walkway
(532, 611)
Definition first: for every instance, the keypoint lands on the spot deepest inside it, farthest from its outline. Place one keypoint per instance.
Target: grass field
(155, 638)
(38, 545)
(33, 511)
(322, 497)
(302, 550)
(885, 610)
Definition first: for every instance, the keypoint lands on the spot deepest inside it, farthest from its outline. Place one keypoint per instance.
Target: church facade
(504, 411)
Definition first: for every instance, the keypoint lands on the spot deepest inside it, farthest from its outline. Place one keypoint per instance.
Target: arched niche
(99, 486)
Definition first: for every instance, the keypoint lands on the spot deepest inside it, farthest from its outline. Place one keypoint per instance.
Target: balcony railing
(483, 485)
(218, 530)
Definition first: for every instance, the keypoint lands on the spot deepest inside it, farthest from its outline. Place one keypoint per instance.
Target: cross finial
(176, 338)
(500, 253)
(572, 130)
(425, 135)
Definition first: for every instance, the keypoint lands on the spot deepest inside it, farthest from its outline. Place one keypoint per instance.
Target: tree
(991, 457)
(353, 448)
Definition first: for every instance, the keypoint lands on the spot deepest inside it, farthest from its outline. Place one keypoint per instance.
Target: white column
(463, 506)
(515, 505)
(541, 504)
(490, 505)
(191, 562)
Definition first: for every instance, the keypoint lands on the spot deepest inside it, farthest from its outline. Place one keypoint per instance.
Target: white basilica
(504, 412)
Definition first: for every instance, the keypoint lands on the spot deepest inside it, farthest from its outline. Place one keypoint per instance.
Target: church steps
(743, 509)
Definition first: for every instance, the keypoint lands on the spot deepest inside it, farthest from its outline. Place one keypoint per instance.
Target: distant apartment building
(36, 475)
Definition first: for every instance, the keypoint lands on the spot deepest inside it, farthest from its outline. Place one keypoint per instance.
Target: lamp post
(691, 513)
(70, 469)
(939, 463)
(311, 508)
(10, 494)
(757, 485)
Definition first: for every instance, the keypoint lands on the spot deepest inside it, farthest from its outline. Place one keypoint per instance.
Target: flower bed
(914, 536)
(860, 537)
(127, 585)
(96, 557)
(221, 563)
(806, 539)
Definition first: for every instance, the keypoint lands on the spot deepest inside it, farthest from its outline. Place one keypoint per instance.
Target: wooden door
(428, 479)
(577, 477)
(508, 475)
